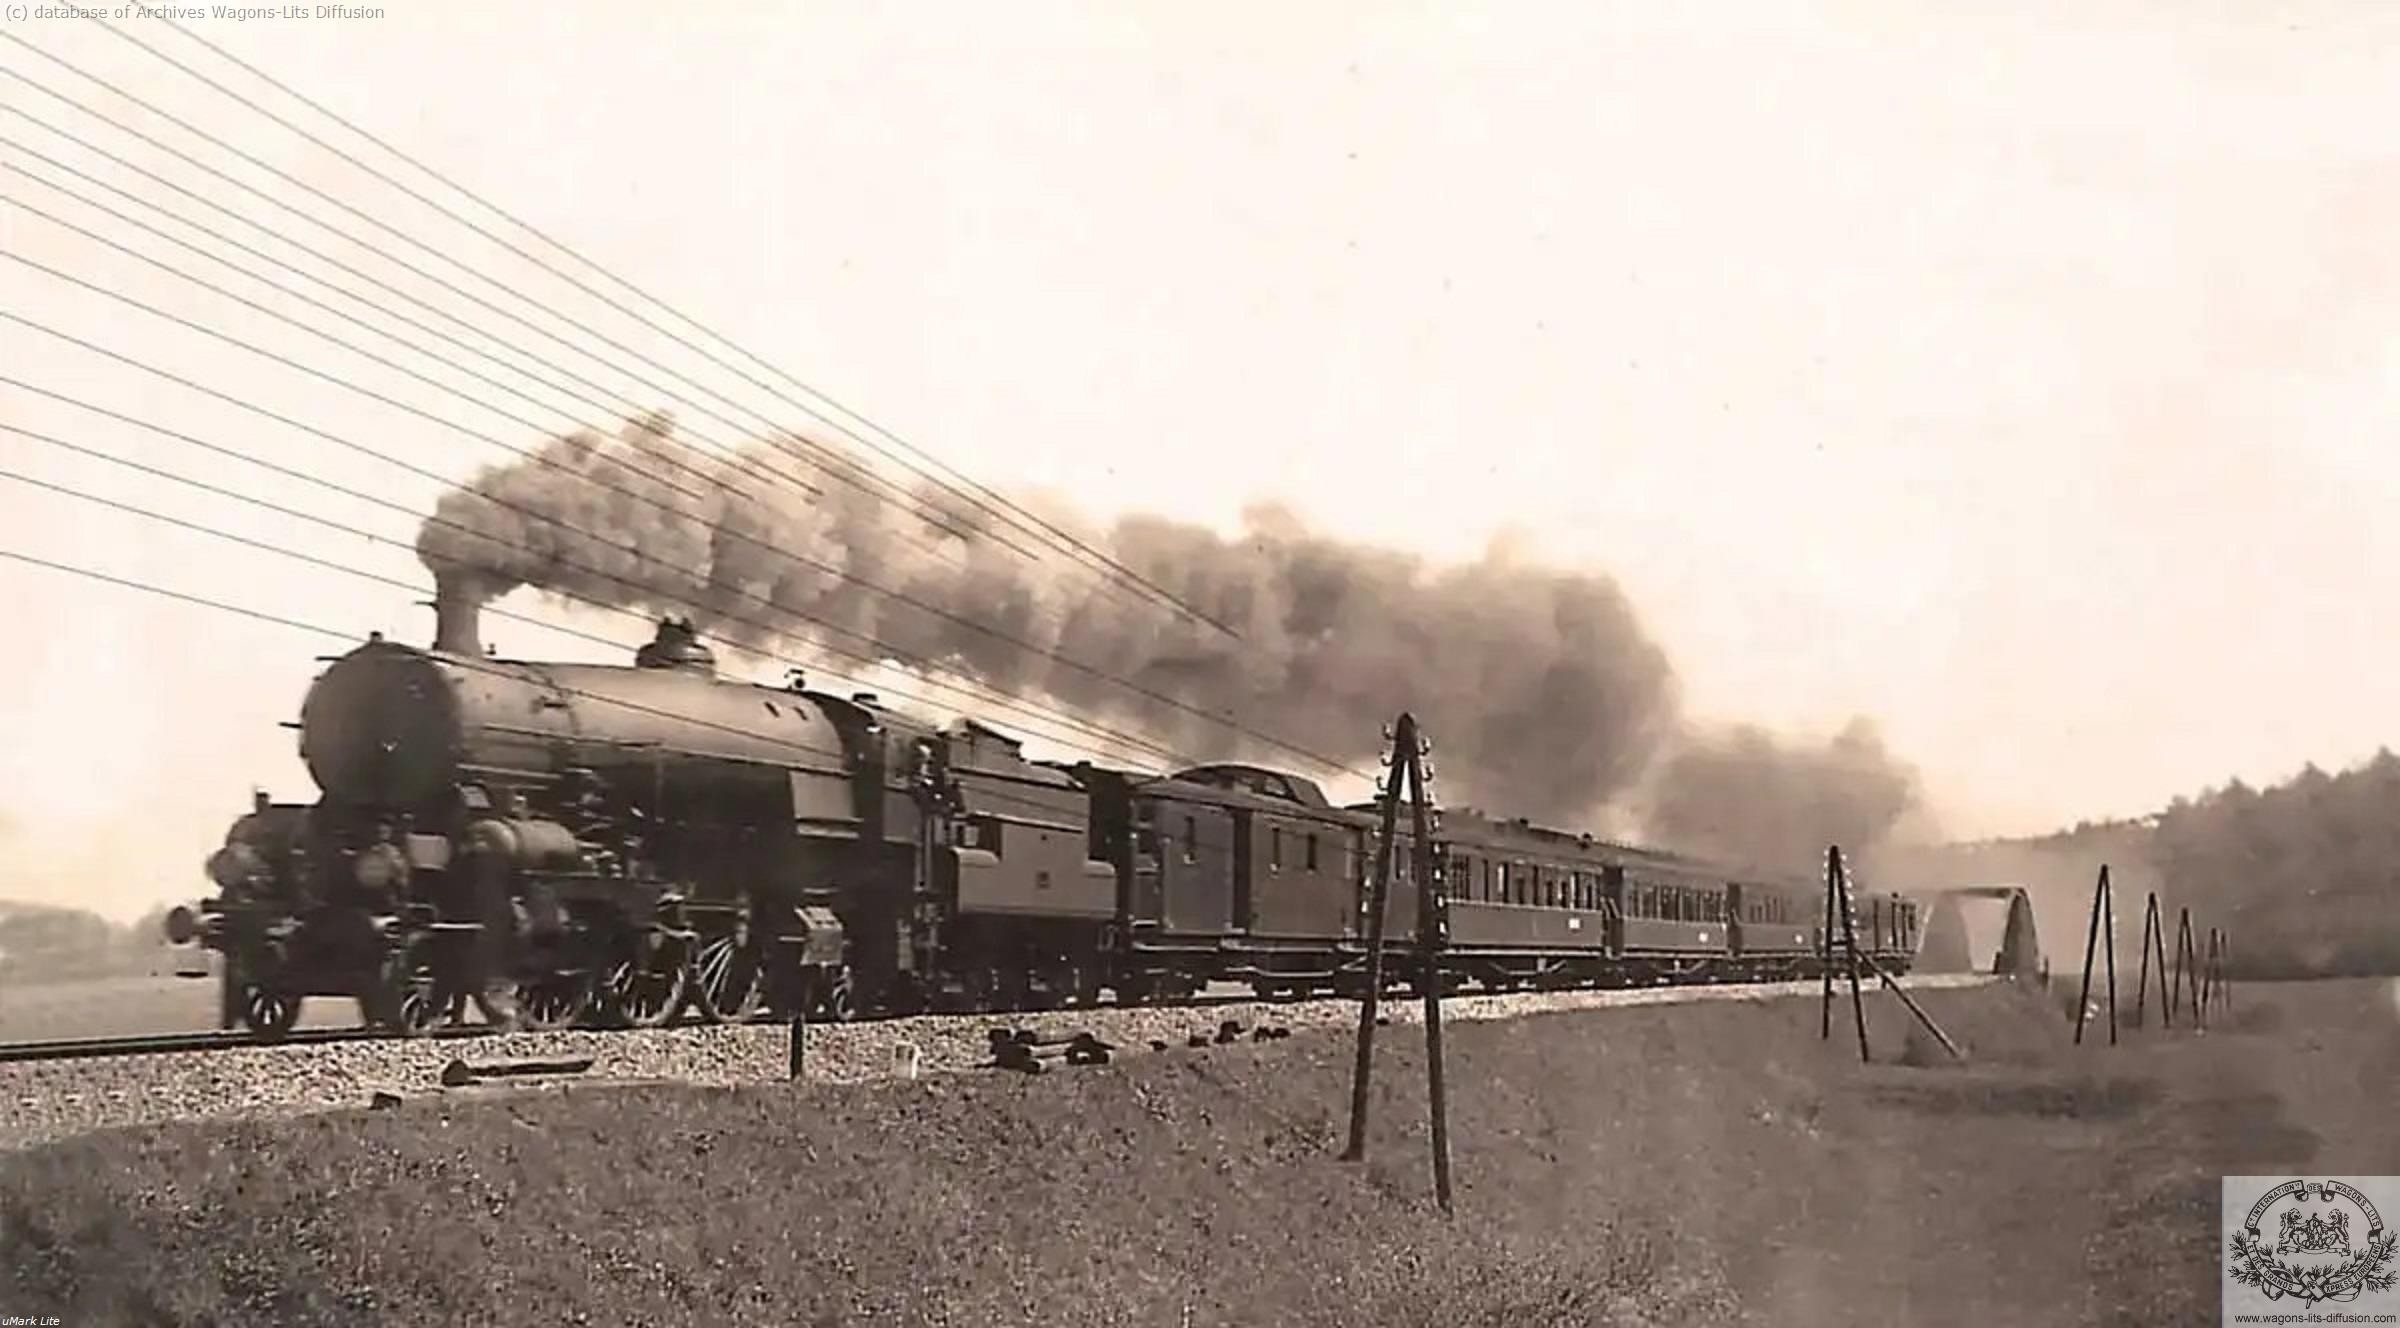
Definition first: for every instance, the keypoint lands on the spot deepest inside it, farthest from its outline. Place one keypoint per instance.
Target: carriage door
(1245, 868)
(1612, 901)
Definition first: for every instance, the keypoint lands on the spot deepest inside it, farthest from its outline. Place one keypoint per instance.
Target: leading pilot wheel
(267, 1012)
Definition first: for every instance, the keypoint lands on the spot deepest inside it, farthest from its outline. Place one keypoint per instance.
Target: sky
(2016, 376)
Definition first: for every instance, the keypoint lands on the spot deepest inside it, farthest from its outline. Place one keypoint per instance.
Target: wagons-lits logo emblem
(2311, 1257)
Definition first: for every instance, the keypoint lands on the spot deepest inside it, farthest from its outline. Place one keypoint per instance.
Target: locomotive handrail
(694, 753)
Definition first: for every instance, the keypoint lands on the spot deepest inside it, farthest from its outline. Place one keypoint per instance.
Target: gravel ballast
(49, 1100)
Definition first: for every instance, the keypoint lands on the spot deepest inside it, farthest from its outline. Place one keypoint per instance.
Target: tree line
(47, 943)
(2305, 874)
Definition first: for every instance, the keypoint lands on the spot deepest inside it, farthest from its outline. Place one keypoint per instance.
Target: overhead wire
(582, 531)
(285, 551)
(898, 596)
(486, 667)
(1105, 562)
(820, 456)
(1327, 762)
(1036, 718)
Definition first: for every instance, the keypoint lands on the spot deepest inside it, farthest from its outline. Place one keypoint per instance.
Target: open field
(1705, 1163)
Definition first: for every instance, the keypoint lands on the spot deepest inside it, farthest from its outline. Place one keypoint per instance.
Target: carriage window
(1312, 853)
(1191, 839)
(1275, 849)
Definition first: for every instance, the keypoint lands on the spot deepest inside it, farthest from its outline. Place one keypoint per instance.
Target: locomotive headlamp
(180, 925)
(380, 867)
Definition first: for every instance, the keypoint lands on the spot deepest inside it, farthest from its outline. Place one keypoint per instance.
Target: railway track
(163, 1044)
(62, 1049)
(160, 1044)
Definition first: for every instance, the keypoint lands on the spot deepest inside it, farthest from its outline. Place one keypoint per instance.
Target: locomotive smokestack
(457, 611)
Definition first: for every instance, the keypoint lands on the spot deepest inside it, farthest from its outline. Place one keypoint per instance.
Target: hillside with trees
(2304, 875)
(46, 943)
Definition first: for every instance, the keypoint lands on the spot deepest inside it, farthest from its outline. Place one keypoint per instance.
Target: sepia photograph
(1103, 663)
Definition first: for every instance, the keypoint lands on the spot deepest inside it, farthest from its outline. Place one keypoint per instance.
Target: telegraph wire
(1106, 563)
(1166, 700)
(788, 555)
(179, 241)
(328, 564)
(898, 596)
(915, 506)
(461, 661)
(536, 426)
(321, 223)
(755, 468)
(1030, 713)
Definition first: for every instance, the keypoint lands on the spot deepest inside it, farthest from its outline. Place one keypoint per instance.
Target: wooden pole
(2208, 974)
(1833, 864)
(2151, 928)
(1430, 938)
(1893, 984)
(799, 1047)
(2187, 963)
(2091, 951)
(1858, 1003)
(1378, 890)
(2108, 896)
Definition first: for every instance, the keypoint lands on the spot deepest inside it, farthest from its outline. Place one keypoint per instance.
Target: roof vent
(866, 698)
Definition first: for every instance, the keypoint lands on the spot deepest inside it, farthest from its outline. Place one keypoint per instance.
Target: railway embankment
(1701, 1162)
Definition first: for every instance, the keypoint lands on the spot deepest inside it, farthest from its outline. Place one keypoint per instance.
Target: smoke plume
(1751, 796)
(1545, 694)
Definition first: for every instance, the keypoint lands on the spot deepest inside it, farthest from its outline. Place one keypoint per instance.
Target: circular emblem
(2313, 1241)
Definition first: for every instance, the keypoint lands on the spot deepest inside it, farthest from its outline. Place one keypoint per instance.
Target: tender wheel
(644, 992)
(267, 1012)
(725, 978)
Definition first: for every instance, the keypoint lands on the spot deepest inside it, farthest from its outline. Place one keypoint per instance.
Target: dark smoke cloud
(1546, 696)
(1751, 796)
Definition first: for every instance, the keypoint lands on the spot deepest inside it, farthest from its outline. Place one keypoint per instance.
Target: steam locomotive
(573, 843)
